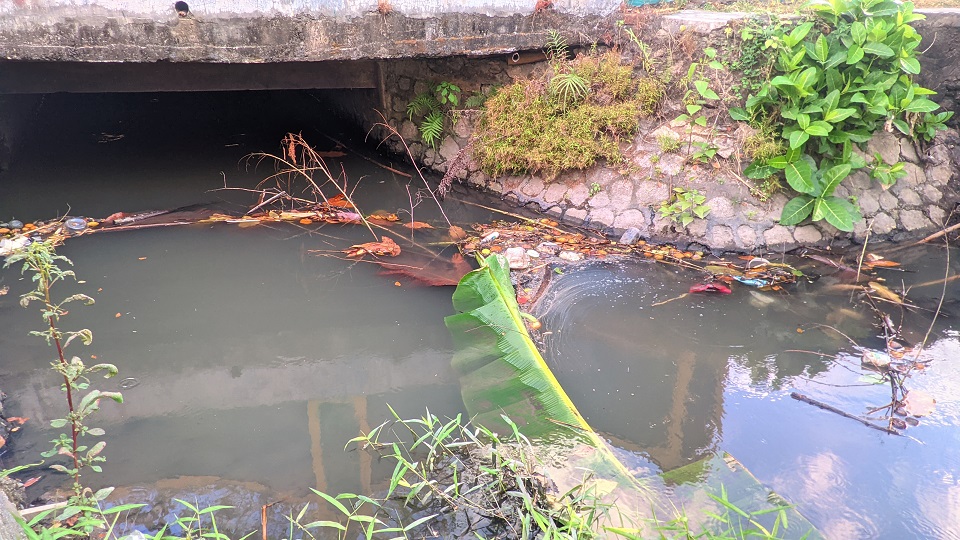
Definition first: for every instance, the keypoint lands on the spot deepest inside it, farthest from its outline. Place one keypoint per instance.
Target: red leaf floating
(715, 287)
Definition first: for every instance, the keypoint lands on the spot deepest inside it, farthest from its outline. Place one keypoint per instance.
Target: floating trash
(75, 225)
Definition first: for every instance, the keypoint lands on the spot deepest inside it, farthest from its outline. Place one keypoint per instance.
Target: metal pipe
(526, 57)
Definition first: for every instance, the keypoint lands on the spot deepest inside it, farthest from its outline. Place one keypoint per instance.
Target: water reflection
(713, 373)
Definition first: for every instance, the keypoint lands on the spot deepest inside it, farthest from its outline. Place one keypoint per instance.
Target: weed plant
(569, 119)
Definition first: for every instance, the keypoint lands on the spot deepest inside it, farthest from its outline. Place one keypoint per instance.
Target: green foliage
(841, 80)
(754, 54)
(556, 48)
(42, 262)
(816, 199)
(683, 206)
(595, 189)
(568, 89)
(885, 173)
(432, 107)
(668, 143)
(702, 152)
(567, 122)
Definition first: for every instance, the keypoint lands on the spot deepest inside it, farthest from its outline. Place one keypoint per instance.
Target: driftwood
(831, 408)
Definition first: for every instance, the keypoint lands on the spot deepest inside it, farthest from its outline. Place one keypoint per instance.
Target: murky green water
(250, 361)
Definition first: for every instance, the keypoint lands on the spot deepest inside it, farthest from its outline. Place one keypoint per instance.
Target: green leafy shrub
(431, 107)
(684, 205)
(843, 77)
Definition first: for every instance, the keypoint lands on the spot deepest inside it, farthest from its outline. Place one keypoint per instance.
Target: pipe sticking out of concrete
(526, 57)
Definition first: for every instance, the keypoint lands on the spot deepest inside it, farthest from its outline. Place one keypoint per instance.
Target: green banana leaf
(501, 370)
(503, 375)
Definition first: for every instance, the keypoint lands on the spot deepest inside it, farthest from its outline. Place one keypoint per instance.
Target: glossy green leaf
(838, 212)
(833, 176)
(921, 105)
(796, 210)
(798, 138)
(910, 65)
(800, 176)
(739, 114)
(878, 49)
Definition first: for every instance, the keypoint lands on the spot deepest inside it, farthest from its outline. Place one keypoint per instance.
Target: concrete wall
(259, 31)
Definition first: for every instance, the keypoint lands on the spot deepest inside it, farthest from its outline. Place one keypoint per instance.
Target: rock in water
(630, 236)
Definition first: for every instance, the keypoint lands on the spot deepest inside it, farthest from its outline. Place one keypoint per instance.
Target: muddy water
(244, 358)
(248, 361)
(702, 374)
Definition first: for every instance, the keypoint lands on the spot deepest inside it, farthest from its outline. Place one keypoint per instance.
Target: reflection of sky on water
(851, 481)
(706, 373)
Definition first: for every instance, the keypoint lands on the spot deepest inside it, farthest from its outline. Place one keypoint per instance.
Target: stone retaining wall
(613, 199)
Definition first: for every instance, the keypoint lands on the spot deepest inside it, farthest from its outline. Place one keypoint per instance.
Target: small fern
(568, 89)
(425, 103)
(557, 49)
(431, 128)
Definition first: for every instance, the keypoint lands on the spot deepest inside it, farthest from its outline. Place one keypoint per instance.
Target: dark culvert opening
(93, 154)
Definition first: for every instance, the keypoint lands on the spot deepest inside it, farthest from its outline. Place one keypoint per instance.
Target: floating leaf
(386, 247)
(418, 225)
(919, 403)
(884, 292)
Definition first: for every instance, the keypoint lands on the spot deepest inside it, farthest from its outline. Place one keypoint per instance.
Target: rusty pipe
(526, 57)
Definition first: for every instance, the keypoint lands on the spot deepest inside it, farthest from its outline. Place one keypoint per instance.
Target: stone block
(698, 229)
(747, 237)
(630, 219)
(601, 217)
(931, 194)
(651, 193)
(578, 194)
(778, 235)
(532, 187)
(807, 235)
(888, 201)
(600, 200)
(721, 208)
(574, 216)
(913, 220)
(554, 193)
(721, 237)
(621, 194)
(449, 149)
(937, 215)
(408, 130)
(908, 151)
(940, 175)
(887, 144)
(909, 197)
(869, 203)
(883, 224)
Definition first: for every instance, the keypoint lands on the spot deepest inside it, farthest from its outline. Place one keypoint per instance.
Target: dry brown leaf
(386, 247)
(339, 201)
(885, 292)
(457, 233)
(418, 225)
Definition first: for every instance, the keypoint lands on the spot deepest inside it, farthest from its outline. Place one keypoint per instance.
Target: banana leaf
(503, 375)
